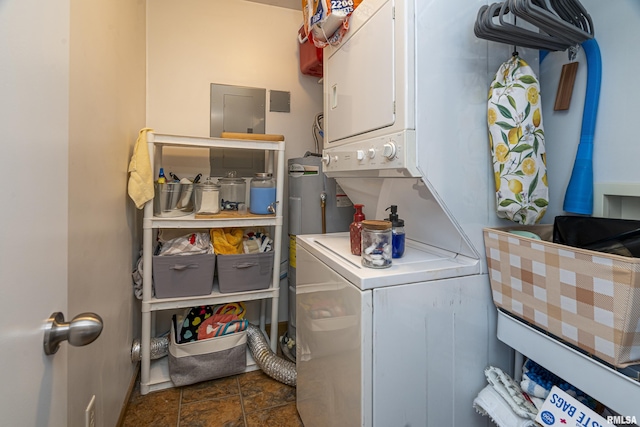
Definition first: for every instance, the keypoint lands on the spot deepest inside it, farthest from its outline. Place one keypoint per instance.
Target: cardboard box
(585, 298)
(561, 409)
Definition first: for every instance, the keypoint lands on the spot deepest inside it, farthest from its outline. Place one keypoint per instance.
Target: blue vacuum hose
(579, 195)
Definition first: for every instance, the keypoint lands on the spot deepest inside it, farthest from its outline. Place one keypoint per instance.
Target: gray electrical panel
(237, 109)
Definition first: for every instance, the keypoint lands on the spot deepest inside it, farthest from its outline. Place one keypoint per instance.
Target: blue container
(262, 194)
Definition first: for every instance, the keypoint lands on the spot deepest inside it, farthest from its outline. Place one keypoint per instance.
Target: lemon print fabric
(516, 139)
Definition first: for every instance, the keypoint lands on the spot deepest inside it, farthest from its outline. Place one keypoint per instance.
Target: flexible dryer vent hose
(274, 366)
(159, 348)
(279, 369)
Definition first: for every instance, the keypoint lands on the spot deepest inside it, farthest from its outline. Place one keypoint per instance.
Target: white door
(34, 117)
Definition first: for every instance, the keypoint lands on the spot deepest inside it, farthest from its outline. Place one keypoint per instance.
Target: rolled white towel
(490, 403)
(511, 392)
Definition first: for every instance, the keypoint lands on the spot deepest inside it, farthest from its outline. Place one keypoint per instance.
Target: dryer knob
(389, 150)
(372, 152)
(360, 154)
(326, 159)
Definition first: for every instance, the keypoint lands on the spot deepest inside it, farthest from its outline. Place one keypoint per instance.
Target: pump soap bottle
(355, 230)
(397, 232)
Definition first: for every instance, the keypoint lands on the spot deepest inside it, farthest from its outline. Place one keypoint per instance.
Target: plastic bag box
(244, 272)
(183, 275)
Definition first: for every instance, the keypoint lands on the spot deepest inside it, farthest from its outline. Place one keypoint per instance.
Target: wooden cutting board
(253, 136)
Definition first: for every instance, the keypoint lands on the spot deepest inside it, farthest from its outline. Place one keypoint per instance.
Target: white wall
(191, 44)
(616, 150)
(194, 43)
(106, 111)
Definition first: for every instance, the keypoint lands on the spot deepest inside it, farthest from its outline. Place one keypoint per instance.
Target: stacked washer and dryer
(405, 101)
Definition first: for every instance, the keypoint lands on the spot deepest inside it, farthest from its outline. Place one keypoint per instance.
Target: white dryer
(405, 124)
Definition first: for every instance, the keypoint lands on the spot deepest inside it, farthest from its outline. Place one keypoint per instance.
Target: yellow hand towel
(227, 241)
(140, 186)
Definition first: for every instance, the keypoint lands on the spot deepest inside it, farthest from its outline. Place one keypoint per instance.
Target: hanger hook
(573, 52)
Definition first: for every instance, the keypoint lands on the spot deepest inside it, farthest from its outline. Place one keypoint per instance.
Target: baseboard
(132, 386)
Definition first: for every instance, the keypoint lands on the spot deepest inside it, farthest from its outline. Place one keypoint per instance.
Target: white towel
(490, 403)
(140, 187)
(511, 392)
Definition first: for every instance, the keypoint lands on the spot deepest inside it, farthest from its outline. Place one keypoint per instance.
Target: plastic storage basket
(183, 275)
(244, 272)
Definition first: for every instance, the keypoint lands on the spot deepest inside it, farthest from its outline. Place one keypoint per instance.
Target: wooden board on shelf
(253, 136)
(232, 215)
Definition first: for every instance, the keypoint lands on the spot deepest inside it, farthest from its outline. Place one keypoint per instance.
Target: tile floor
(251, 399)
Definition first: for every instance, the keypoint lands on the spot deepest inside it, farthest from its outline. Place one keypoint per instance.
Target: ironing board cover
(516, 138)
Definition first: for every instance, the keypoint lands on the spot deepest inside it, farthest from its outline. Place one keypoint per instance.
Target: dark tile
(259, 391)
(222, 387)
(281, 416)
(157, 409)
(223, 412)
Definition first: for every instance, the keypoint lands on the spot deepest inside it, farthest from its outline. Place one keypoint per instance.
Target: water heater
(317, 204)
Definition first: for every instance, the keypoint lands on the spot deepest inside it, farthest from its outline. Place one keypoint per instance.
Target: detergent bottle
(161, 177)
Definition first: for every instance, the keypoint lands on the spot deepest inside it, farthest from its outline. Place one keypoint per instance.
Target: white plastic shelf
(201, 142)
(216, 297)
(154, 375)
(189, 221)
(610, 387)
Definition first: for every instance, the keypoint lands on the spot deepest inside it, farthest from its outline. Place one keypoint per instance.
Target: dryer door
(359, 80)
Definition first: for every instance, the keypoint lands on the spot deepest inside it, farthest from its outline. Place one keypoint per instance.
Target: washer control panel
(389, 152)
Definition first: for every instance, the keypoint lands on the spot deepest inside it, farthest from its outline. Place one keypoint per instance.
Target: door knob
(82, 330)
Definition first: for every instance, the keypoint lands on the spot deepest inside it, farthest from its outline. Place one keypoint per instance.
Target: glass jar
(207, 197)
(233, 191)
(262, 194)
(376, 244)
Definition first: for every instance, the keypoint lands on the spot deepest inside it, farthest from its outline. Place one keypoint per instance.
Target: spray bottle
(355, 230)
(397, 232)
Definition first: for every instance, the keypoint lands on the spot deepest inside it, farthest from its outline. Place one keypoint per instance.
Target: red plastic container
(310, 56)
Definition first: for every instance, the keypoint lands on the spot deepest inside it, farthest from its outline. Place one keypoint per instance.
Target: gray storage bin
(244, 272)
(183, 275)
(208, 359)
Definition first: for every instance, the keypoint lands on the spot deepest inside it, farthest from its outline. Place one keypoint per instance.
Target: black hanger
(559, 24)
